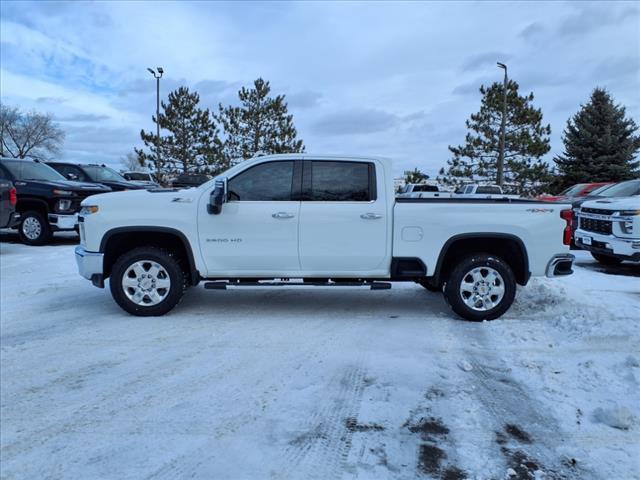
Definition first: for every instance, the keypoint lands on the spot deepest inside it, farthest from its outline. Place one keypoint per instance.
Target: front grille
(596, 226)
(598, 211)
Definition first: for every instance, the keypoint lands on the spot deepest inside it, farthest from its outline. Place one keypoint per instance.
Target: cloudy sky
(390, 79)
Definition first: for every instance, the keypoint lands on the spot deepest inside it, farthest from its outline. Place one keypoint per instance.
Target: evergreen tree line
(195, 140)
(600, 144)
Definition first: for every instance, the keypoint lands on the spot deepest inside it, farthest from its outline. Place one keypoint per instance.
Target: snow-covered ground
(316, 383)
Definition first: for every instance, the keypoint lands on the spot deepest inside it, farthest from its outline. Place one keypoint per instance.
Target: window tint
(70, 169)
(265, 182)
(340, 182)
(490, 190)
(425, 188)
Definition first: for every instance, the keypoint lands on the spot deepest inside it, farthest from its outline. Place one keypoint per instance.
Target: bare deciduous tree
(131, 162)
(28, 134)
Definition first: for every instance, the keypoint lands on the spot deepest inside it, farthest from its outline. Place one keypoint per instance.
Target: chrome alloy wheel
(31, 228)
(146, 283)
(482, 288)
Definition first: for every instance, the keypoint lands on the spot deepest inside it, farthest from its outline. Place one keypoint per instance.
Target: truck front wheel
(147, 281)
(34, 228)
(480, 287)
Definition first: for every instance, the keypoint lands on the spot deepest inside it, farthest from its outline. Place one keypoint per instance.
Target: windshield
(623, 189)
(100, 174)
(573, 191)
(600, 190)
(28, 170)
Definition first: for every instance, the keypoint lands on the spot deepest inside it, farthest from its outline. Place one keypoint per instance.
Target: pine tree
(415, 176)
(526, 141)
(261, 125)
(193, 144)
(599, 144)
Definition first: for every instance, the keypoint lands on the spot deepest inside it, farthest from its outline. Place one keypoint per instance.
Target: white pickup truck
(473, 190)
(286, 220)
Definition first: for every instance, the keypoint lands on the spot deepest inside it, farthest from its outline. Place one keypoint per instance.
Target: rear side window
(489, 190)
(342, 181)
(265, 182)
(425, 188)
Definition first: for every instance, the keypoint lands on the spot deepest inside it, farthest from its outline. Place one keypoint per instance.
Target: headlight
(627, 226)
(89, 209)
(63, 193)
(64, 204)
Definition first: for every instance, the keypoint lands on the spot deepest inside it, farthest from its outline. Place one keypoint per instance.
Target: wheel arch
(30, 203)
(509, 247)
(121, 239)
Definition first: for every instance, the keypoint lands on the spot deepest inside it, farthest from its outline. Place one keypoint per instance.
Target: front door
(343, 220)
(256, 234)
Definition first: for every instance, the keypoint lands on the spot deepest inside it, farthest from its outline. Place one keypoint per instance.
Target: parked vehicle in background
(188, 180)
(8, 200)
(144, 179)
(47, 202)
(578, 190)
(94, 173)
(422, 190)
(627, 188)
(328, 220)
(610, 229)
(473, 190)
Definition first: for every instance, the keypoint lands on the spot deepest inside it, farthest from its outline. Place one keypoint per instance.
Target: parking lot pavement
(315, 383)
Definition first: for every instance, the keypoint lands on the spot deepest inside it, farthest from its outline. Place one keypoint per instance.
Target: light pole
(503, 125)
(157, 76)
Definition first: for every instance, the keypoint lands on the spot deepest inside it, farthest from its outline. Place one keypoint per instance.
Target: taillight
(13, 196)
(567, 216)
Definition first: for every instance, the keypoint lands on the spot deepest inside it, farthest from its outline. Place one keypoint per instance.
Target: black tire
(28, 236)
(460, 271)
(167, 261)
(428, 285)
(606, 259)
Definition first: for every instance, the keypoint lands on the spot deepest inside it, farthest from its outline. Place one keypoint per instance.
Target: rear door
(343, 219)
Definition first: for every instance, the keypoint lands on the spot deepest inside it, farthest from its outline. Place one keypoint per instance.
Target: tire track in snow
(322, 451)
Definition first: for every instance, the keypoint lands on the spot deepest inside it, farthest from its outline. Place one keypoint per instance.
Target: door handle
(370, 216)
(283, 215)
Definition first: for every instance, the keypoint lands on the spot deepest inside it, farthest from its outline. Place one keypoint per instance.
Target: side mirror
(218, 197)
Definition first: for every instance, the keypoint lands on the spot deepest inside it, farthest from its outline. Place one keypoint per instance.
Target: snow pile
(617, 417)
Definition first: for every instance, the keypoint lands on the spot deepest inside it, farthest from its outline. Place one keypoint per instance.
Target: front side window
(266, 182)
(71, 172)
(341, 181)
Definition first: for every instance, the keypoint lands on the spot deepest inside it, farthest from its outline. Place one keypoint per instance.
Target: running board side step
(222, 285)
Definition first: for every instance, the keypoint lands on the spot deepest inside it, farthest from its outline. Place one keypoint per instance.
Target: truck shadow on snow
(10, 236)
(346, 302)
(627, 269)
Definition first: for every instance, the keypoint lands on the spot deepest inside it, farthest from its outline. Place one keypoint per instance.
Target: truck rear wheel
(147, 281)
(34, 228)
(606, 259)
(480, 287)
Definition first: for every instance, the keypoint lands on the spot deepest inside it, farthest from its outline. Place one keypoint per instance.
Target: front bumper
(560, 265)
(90, 265)
(63, 222)
(628, 248)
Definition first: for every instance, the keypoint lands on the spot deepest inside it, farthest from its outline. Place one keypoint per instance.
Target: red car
(578, 190)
